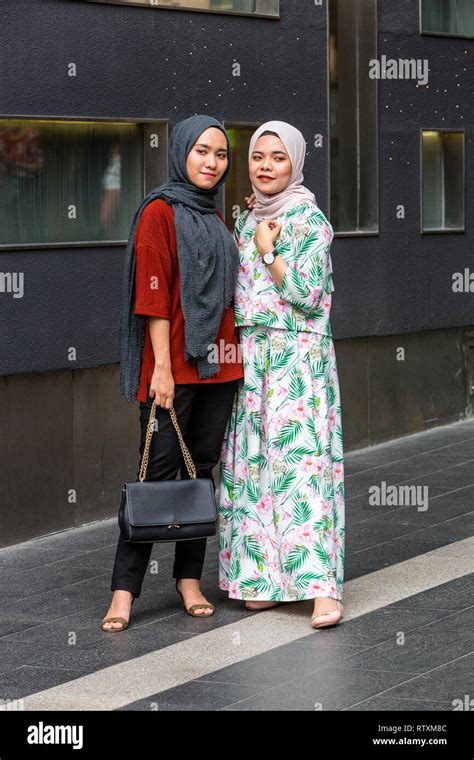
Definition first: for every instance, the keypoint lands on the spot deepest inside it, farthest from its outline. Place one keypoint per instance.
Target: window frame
(446, 230)
(438, 34)
(351, 233)
(229, 124)
(270, 16)
(161, 174)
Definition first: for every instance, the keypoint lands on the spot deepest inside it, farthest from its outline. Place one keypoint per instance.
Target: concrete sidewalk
(406, 641)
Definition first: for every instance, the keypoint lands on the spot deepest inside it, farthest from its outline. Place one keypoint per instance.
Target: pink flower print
(326, 303)
(225, 557)
(234, 589)
(304, 339)
(280, 305)
(327, 508)
(315, 587)
(306, 534)
(299, 410)
(326, 233)
(274, 565)
(308, 463)
(264, 506)
(253, 401)
(260, 537)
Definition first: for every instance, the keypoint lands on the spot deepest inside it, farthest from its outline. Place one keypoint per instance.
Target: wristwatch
(269, 257)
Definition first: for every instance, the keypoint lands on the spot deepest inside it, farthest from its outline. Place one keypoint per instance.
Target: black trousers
(202, 411)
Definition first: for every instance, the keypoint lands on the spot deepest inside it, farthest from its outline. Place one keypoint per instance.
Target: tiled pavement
(406, 642)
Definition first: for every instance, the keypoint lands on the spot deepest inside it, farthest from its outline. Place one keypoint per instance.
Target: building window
(353, 116)
(247, 7)
(238, 184)
(442, 181)
(75, 182)
(452, 17)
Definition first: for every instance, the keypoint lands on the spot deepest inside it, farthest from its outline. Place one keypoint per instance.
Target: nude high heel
(327, 619)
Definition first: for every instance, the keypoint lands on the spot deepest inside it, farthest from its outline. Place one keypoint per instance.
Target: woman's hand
(162, 387)
(266, 235)
(250, 201)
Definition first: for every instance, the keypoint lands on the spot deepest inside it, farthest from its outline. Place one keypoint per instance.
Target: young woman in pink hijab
(281, 497)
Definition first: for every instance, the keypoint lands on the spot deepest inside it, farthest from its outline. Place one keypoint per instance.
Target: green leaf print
(314, 402)
(317, 313)
(253, 492)
(225, 513)
(296, 558)
(295, 456)
(316, 483)
(301, 511)
(287, 434)
(313, 437)
(323, 557)
(281, 360)
(260, 337)
(240, 417)
(226, 477)
(239, 315)
(257, 367)
(260, 585)
(326, 341)
(328, 491)
(282, 483)
(267, 318)
(256, 422)
(289, 323)
(303, 580)
(338, 447)
(317, 369)
(234, 571)
(297, 387)
(315, 274)
(254, 552)
(331, 394)
(259, 460)
(300, 287)
(239, 489)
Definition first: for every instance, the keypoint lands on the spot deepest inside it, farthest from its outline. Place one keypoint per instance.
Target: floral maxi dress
(281, 494)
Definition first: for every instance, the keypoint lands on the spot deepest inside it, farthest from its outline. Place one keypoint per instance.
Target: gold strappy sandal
(190, 610)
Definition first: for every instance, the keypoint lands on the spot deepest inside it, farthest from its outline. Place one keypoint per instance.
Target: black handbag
(167, 510)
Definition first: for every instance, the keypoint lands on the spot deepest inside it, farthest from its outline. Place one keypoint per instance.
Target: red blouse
(157, 294)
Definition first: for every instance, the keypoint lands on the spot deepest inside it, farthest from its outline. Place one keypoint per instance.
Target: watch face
(269, 258)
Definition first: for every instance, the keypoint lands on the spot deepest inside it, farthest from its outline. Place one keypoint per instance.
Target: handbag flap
(171, 502)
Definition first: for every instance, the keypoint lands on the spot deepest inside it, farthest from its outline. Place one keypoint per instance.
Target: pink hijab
(271, 206)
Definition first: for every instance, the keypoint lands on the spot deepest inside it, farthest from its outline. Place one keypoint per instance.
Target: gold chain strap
(149, 432)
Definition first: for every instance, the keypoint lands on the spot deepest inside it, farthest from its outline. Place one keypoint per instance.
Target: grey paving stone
(330, 688)
(29, 680)
(455, 595)
(422, 650)
(391, 704)
(447, 683)
(209, 696)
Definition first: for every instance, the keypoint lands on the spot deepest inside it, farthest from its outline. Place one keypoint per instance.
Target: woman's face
(270, 166)
(207, 159)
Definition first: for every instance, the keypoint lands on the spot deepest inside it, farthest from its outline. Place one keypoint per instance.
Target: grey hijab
(208, 262)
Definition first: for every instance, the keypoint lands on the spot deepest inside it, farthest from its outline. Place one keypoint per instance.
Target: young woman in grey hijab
(177, 233)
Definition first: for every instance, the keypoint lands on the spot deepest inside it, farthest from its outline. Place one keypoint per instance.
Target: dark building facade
(383, 94)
